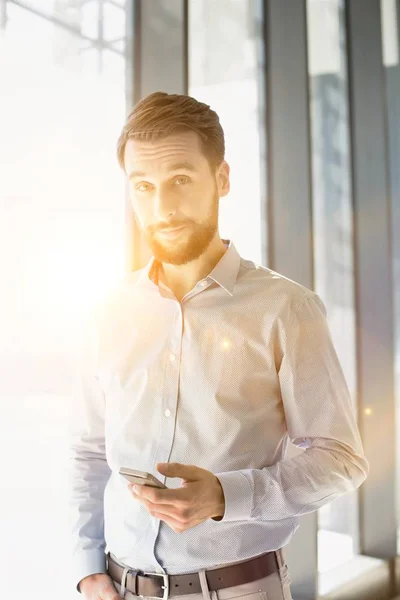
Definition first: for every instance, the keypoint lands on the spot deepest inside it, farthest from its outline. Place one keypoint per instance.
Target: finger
(173, 523)
(163, 510)
(111, 594)
(178, 526)
(167, 496)
(109, 591)
(171, 515)
(149, 505)
(167, 508)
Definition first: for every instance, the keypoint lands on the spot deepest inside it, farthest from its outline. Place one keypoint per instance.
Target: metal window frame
(373, 277)
(290, 230)
(151, 52)
(392, 75)
(100, 43)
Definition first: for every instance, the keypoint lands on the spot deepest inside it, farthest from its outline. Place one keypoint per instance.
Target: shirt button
(172, 357)
(167, 412)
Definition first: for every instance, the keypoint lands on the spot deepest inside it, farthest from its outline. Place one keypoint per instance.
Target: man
(199, 369)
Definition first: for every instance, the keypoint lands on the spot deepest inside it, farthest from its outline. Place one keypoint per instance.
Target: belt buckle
(165, 586)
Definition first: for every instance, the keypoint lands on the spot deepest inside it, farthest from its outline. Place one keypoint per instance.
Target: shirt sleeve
(88, 467)
(319, 417)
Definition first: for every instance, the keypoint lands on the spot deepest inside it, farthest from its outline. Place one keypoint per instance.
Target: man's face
(170, 185)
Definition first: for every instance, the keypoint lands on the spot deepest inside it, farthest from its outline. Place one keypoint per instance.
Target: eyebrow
(175, 167)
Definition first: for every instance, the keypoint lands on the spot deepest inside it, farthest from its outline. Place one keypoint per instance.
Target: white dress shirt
(222, 380)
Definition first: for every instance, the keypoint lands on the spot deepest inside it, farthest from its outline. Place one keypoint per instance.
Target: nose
(166, 204)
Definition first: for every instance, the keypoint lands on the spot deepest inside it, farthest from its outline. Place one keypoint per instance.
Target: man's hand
(98, 587)
(199, 498)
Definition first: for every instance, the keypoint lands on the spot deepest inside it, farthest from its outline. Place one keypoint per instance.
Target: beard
(191, 243)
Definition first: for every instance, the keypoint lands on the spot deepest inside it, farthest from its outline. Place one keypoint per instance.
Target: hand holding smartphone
(141, 478)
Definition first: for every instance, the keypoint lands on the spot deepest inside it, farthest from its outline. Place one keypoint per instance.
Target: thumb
(111, 594)
(187, 472)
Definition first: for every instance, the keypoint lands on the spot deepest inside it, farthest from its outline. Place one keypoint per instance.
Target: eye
(182, 179)
(139, 185)
(186, 179)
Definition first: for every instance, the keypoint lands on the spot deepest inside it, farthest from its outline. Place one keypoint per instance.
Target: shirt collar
(224, 273)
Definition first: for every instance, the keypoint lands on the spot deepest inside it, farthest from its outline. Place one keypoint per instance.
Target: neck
(182, 278)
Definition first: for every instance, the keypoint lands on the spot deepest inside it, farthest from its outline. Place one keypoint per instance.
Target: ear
(223, 181)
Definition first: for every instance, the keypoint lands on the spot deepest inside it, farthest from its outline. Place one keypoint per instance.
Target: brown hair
(159, 114)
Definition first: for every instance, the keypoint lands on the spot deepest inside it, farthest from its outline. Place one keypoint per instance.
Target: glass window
(390, 56)
(333, 239)
(226, 72)
(62, 72)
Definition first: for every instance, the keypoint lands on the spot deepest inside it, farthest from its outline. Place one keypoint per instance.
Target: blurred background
(308, 94)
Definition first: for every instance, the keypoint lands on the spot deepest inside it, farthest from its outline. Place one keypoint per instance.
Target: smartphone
(141, 477)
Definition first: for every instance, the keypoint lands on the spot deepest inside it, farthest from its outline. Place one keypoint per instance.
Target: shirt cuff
(238, 496)
(88, 562)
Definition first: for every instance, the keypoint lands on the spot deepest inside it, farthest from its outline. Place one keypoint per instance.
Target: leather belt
(161, 585)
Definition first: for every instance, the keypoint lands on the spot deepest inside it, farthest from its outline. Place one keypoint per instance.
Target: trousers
(273, 587)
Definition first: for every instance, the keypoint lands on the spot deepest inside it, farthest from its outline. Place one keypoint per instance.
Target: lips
(172, 229)
(171, 232)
